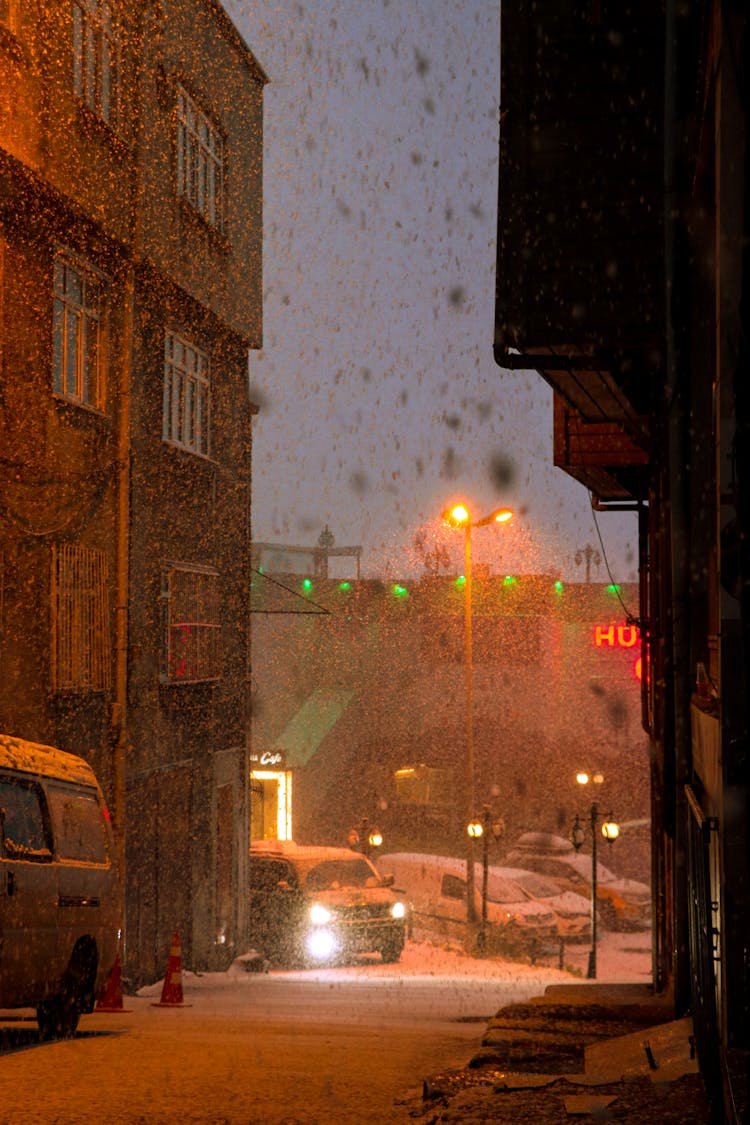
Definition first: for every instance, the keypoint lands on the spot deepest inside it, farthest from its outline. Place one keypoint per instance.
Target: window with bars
(77, 331)
(186, 395)
(80, 619)
(96, 65)
(9, 13)
(200, 161)
(193, 625)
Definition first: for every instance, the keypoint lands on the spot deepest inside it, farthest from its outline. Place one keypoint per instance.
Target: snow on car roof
(35, 757)
(294, 850)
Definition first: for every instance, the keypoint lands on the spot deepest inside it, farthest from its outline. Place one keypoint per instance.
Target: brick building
(130, 292)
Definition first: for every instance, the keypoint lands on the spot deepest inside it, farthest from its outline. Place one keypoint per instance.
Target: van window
(78, 824)
(22, 827)
(453, 887)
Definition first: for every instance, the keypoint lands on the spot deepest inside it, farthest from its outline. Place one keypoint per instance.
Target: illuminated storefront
(271, 796)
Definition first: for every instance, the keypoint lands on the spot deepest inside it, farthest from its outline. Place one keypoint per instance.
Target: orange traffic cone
(171, 993)
(111, 998)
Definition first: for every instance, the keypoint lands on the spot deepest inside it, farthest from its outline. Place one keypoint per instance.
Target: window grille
(186, 395)
(200, 161)
(9, 13)
(77, 333)
(96, 57)
(193, 625)
(80, 619)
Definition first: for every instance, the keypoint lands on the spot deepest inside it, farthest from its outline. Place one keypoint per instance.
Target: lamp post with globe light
(364, 837)
(482, 827)
(610, 831)
(459, 516)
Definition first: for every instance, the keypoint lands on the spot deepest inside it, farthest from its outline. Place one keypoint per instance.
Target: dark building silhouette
(622, 277)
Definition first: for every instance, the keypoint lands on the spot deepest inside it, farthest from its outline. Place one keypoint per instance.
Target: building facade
(361, 698)
(130, 292)
(622, 277)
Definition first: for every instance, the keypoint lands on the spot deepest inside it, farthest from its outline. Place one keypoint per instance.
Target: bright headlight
(321, 945)
(398, 910)
(319, 915)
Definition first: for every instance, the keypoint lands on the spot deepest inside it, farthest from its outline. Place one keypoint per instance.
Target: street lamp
(482, 827)
(459, 516)
(610, 831)
(364, 837)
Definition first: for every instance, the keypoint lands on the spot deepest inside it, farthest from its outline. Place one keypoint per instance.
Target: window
(78, 820)
(200, 161)
(22, 828)
(186, 395)
(9, 13)
(77, 328)
(95, 58)
(453, 887)
(193, 631)
(80, 619)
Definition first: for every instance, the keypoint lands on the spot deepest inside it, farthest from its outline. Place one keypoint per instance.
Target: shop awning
(315, 718)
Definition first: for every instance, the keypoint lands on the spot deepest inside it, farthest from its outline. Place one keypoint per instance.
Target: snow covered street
(344, 1045)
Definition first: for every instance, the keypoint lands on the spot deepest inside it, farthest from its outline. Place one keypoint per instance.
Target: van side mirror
(387, 880)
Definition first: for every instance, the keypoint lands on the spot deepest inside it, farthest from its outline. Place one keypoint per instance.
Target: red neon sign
(616, 636)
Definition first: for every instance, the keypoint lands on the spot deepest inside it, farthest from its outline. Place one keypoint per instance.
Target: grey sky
(380, 398)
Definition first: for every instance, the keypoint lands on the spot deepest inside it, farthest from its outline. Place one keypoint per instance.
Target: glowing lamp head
(582, 778)
(504, 515)
(610, 829)
(475, 829)
(458, 515)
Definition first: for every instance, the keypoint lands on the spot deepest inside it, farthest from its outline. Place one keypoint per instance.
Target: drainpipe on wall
(123, 575)
(677, 407)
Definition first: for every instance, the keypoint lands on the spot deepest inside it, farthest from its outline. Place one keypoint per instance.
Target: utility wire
(630, 617)
(308, 601)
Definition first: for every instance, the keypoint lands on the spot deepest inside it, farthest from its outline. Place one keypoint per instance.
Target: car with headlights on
(317, 905)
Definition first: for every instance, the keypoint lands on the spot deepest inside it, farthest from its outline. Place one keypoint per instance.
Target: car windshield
(330, 874)
(502, 890)
(537, 885)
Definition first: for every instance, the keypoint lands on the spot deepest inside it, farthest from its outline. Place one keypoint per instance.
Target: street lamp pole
(482, 827)
(610, 831)
(592, 954)
(459, 516)
(471, 908)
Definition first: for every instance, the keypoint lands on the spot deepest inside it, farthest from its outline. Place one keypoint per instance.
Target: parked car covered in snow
(572, 911)
(436, 889)
(622, 904)
(319, 905)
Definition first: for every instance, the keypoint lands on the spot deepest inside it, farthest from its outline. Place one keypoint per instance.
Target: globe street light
(481, 828)
(460, 516)
(364, 837)
(610, 831)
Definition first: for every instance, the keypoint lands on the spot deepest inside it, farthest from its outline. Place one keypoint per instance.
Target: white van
(59, 888)
(435, 887)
